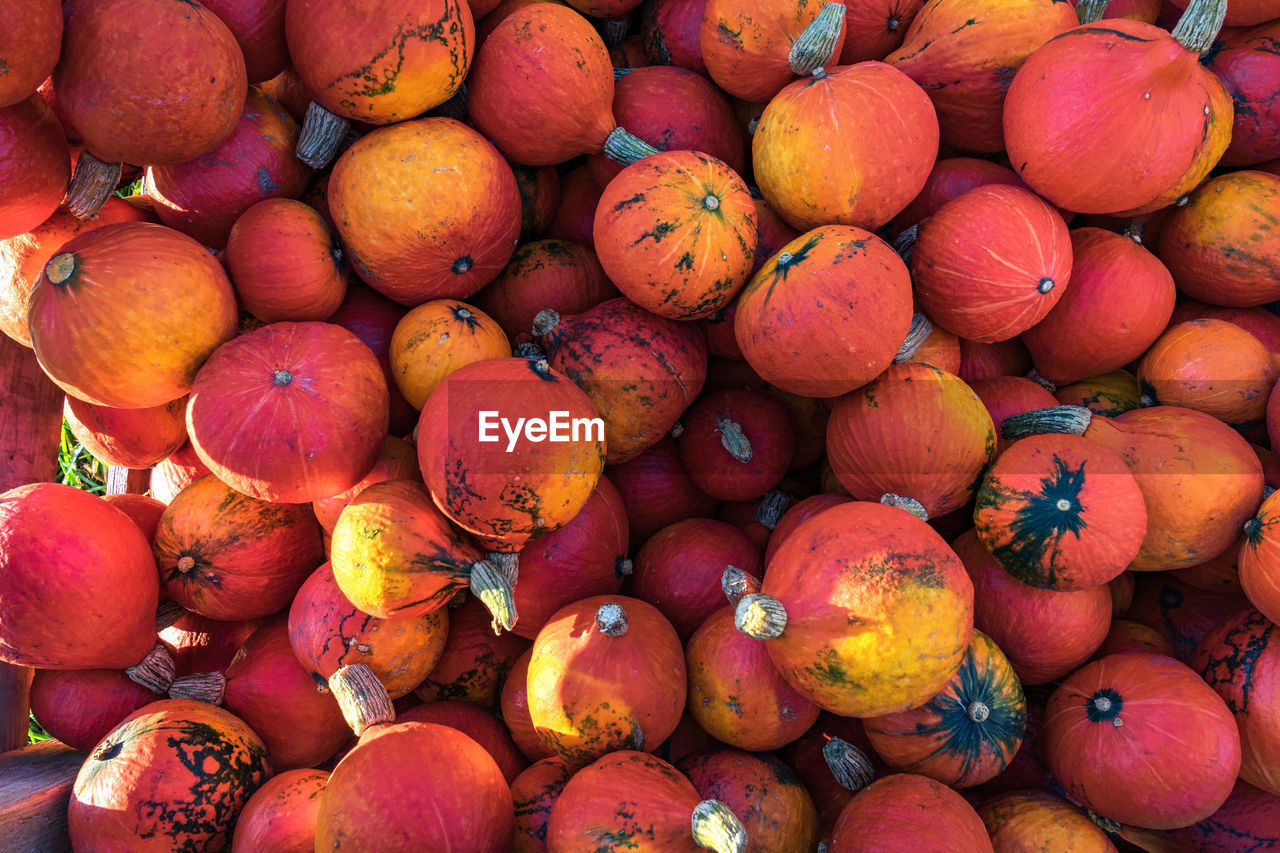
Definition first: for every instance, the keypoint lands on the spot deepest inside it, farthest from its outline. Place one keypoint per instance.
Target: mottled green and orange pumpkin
(535, 792)
(475, 660)
(281, 815)
(435, 339)
(1109, 394)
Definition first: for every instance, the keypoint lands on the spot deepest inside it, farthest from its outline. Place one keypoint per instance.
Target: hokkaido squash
(475, 660)
(906, 809)
(128, 438)
(281, 815)
(1110, 394)
(558, 274)
(798, 513)
(435, 339)
(951, 178)
(1009, 395)
(736, 444)
(874, 30)
(575, 219)
(1248, 817)
(372, 318)
(1180, 613)
(143, 510)
(1030, 820)
(79, 707)
(206, 645)
(514, 709)
(1248, 67)
(657, 491)
(535, 792)
(987, 361)
(1259, 322)
(762, 792)
(1259, 561)
(476, 723)
(1211, 366)
(36, 166)
(30, 46)
(258, 28)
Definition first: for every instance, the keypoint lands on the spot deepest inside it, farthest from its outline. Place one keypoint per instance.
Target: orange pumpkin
(535, 792)
(435, 339)
(514, 706)
(1021, 821)
(128, 438)
(36, 166)
(281, 815)
(1259, 560)
(1211, 366)
(776, 811)
(1110, 394)
(398, 460)
(889, 815)
(557, 274)
(30, 46)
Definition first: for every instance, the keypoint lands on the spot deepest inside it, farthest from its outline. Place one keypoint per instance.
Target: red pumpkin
(175, 472)
(281, 815)
(535, 792)
(166, 300)
(206, 645)
(80, 706)
(174, 774)
(1248, 68)
(833, 754)
(1009, 395)
(1260, 562)
(1127, 636)
(736, 444)
(951, 178)
(128, 438)
(1168, 762)
(422, 786)
(1031, 820)
(514, 705)
(1248, 817)
(798, 513)
(474, 661)
(398, 460)
(1181, 614)
(31, 43)
(657, 491)
(906, 809)
(1211, 366)
(479, 725)
(1077, 148)
(36, 165)
(579, 197)
(539, 198)
(672, 33)
(313, 397)
(1116, 304)
(557, 274)
(827, 314)
(372, 318)
(142, 510)
(607, 673)
(775, 809)
(987, 361)
(874, 30)
(258, 28)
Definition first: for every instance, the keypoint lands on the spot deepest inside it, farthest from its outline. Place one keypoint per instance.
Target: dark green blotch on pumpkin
(1043, 520)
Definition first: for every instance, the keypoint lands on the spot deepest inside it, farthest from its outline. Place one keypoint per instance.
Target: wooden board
(35, 788)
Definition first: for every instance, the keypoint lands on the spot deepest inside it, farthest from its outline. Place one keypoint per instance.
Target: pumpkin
(514, 707)
(475, 660)
(80, 706)
(31, 44)
(588, 556)
(992, 263)
(206, 645)
(1218, 246)
(1110, 394)
(810, 182)
(1030, 820)
(172, 775)
(672, 30)
(1009, 395)
(175, 472)
(313, 397)
(1221, 574)
(775, 809)
(1115, 305)
(461, 185)
(142, 510)
(1211, 366)
(1127, 636)
(1243, 13)
(398, 460)
(1247, 66)
(636, 799)
(798, 513)
(1060, 512)
(36, 167)
(967, 733)
(535, 792)
(987, 361)
(826, 315)
(833, 754)
(736, 444)
(866, 610)
(906, 809)
(641, 371)
(914, 431)
(1248, 817)
(607, 673)
(1195, 509)
(874, 30)
(501, 488)
(539, 188)
(281, 815)
(479, 725)
(657, 490)
(284, 262)
(372, 318)
(128, 438)
(258, 27)
(1259, 564)
(436, 338)
(1079, 108)
(231, 557)
(165, 299)
(951, 178)
(1180, 613)
(676, 232)
(935, 346)
(1045, 634)
(754, 49)
(557, 274)
(1259, 322)
(421, 786)
(1028, 769)
(1141, 739)
(579, 197)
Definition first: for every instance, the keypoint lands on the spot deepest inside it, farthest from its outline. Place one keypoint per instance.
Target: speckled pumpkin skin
(590, 693)
(1110, 394)
(1211, 366)
(879, 610)
(281, 815)
(395, 556)
(435, 339)
(535, 792)
(1037, 820)
(384, 61)
(475, 661)
(774, 807)
(1260, 559)
(1249, 66)
(172, 776)
(906, 811)
(557, 274)
(1248, 817)
(745, 45)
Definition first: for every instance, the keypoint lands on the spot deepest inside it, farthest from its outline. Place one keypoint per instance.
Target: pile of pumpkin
(918, 500)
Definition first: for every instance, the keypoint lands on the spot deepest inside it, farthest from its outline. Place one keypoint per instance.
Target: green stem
(496, 590)
(734, 440)
(1199, 25)
(1089, 11)
(910, 505)
(716, 827)
(627, 148)
(816, 46)
(1063, 420)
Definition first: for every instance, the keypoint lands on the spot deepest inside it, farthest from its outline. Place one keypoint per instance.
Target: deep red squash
(907, 810)
(833, 754)
(1038, 820)
(826, 314)
(951, 178)
(475, 661)
(1249, 66)
(129, 438)
(36, 165)
(876, 29)
(579, 197)
(672, 33)
(1119, 116)
(258, 28)
(1249, 816)
(539, 198)
(798, 513)
(535, 792)
(1141, 739)
(558, 274)
(30, 46)
(736, 444)
(1211, 366)
(174, 774)
(372, 318)
(1180, 613)
(657, 491)
(281, 815)
(80, 706)
(776, 811)
(312, 396)
(479, 725)
(1009, 395)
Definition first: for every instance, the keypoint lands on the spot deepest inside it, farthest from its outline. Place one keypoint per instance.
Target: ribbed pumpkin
(557, 274)
(164, 298)
(967, 733)
(231, 557)
(607, 673)
(640, 370)
(281, 815)
(393, 181)
(313, 398)
(676, 232)
(776, 811)
(36, 166)
(876, 29)
(31, 43)
(826, 314)
(640, 801)
(81, 706)
(1257, 321)
(1037, 820)
(736, 444)
(1082, 106)
(1111, 394)
(1061, 513)
(915, 431)
(810, 182)
(475, 660)
(965, 55)
(865, 609)
(908, 811)
(992, 263)
(1117, 302)
(173, 775)
(657, 491)
(128, 438)
(1260, 561)
(535, 792)
(435, 339)
(1211, 366)
(1220, 245)
(417, 786)
(508, 498)
(1141, 739)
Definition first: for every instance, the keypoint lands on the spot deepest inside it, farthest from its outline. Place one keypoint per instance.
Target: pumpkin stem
(978, 712)
(545, 321)
(155, 671)
(1091, 10)
(734, 440)
(816, 46)
(736, 584)
(772, 506)
(60, 268)
(849, 765)
(760, 616)
(1199, 25)
(905, 243)
(282, 377)
(493, 581)
(677, 429)
(626, 148)
(1035, 377)
(186, 563)
(716, 827)
(622, 567)
(1106, 824)
(362, 697)
(530, 350)
(919, 332)
(1064, 420)
(206, 687)
(91, 185)
(611, 619)
(615, 30)
(168, 612)
(321, 137)
(911, 505)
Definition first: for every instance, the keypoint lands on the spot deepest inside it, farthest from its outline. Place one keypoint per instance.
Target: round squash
(30, 46)
(558, 274)
(397, 461)
(535, 792)
(1109, 395)
(281, 815)
(81, 706)
(1247, 66)
(776, 811)
(436, 338)
(736, 444)
(475, 660)
(1021, 821)
(128, 438)
(908, 810)
(658, 491)
(1260, 560)
(36, 165)
(1009, 395)
(1211, 366)
(479, 725)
